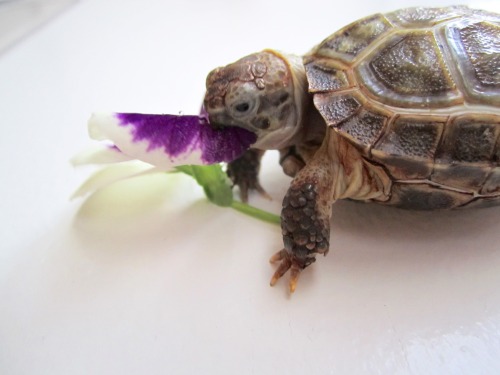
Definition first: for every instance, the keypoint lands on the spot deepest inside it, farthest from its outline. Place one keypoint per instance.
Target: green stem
(256, 212)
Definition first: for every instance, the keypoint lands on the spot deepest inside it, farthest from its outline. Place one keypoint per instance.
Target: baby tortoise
(401, 109)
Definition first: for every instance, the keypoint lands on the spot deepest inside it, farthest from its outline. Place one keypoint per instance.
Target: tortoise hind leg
(305, 220)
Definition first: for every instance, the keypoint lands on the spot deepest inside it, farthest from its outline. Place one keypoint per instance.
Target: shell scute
(481, 41)
(409, 70)
(409, 145)
(364, 127)
(325, 75)
(467, 154)
(476, 47)
(350, 41)
(467, 177)
(423, 196)
(412, 65)
(470, 139)
(413, 137)
(335, 107)
(424, 17)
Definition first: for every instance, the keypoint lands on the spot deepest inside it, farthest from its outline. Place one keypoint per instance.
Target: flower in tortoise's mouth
(162, 141)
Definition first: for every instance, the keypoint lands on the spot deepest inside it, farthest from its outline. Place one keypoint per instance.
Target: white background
(147, 277)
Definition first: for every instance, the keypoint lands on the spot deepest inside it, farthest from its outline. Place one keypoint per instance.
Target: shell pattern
(417, 91)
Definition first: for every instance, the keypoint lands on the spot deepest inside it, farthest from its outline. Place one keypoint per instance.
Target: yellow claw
(263, 193)
(282, 268)
(274, 280)
(286, 263)
(278, 256)
(294, 277)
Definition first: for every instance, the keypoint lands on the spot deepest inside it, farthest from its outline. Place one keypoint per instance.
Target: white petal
(100, 154)
(111, 174)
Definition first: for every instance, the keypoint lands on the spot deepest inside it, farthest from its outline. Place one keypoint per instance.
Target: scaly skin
(305, 225)
(265, 93)
(244, 173)
(412, 93)
(336, 171)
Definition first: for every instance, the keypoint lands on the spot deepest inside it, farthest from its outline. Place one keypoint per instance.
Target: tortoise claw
(294, 277)
(287, 263)
(262, 192)
(280, 255)
(244, 173)
(245, 188)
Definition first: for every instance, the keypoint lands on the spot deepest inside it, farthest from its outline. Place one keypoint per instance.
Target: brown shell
(418, 92)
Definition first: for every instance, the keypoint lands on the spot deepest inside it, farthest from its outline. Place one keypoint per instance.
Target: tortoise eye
(242, 107)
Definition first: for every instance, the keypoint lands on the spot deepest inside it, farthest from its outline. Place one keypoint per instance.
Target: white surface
(20, 17)
(146, 277)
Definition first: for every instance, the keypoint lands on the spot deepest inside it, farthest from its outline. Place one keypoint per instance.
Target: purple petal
(182, 135)
(224, 145)
(175, 134)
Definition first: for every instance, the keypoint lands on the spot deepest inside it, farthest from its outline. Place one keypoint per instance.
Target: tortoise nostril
(283, 98)
(261, 123)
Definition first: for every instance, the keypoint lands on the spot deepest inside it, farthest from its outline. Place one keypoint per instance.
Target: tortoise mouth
(222, 125)
(222, 120)
(268, 137)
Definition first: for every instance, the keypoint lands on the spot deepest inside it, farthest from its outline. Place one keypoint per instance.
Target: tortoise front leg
(336, 171)
(244, 173)
(291, 161)
(305, 221)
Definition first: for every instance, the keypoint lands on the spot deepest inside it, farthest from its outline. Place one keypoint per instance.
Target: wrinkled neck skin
(305, 124)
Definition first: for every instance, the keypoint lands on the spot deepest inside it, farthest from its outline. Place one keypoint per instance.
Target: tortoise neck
(292, 111)
(310, 127)
(302, 100)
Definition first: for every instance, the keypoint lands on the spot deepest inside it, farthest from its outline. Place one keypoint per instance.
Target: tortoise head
(262, 93)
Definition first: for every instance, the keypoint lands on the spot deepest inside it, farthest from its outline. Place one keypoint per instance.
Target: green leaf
(213, 180)
(218, 190)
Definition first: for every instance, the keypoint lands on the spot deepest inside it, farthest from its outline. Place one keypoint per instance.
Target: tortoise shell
(417, 91)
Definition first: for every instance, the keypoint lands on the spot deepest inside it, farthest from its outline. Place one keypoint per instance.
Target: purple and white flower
(161, 141)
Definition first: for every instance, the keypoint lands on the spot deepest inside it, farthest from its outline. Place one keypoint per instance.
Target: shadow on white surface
(401, 289)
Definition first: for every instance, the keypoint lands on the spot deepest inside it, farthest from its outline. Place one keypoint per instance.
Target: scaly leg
(305, 220)
(291, 161)
(244, 173)
(336, 171)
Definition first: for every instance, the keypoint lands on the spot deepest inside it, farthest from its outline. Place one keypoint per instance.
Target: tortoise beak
(219, 120)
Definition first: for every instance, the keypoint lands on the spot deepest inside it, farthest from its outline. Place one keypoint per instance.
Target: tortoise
(401, 109)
